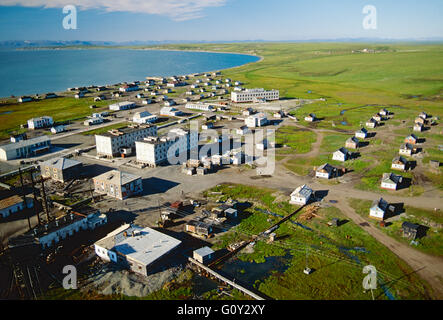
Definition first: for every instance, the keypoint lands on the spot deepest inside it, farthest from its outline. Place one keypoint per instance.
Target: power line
(302, 247)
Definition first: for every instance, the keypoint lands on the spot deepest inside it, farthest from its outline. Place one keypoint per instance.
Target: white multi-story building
(251, 95)
(200, 106)
(256, 120)
(153, 151)
(42, 122)
(110, 143)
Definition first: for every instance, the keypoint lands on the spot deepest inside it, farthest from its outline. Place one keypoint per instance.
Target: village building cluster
(148, 140)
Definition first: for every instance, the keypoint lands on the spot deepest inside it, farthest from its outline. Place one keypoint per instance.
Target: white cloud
(178, 10)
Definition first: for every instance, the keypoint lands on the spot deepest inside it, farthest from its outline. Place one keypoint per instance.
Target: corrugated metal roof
(117, 177)
(60, 163)
(303, 191)
(205, 251)
(24, 143)
(8, 202)
(145, 246)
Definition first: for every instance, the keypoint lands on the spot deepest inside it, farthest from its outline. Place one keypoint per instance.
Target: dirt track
(430, 268)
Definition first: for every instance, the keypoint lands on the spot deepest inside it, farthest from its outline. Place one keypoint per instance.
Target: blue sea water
(26, 72)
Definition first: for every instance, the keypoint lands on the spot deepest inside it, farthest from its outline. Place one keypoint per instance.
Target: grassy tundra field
(408, 76)
(66, 108)
(336, 254)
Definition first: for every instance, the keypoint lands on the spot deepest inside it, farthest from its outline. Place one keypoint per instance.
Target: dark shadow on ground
(406, 183)
(65, 145)
(94, 170)
(321, 194)
(156, 185)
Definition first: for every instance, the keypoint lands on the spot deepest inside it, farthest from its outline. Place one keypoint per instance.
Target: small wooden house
(372, 123)
(399, 163)
(341, 155)
(418, 127)
(406, 149)
(410, 230)
(352, 143)
(199, 228)
(362, 133)
(412, 139)
(391, 181)
(311, 118)
(326, 171)
(203, 255)
(420, 120)
(380, 210)
(377, 117)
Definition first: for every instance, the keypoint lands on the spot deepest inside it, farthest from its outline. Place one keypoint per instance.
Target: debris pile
(310, 213)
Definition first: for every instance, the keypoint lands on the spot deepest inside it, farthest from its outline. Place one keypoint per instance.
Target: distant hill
(24, 44)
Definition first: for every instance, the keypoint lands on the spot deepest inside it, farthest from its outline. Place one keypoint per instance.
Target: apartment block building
(111, 143)
(153, 151)
(252, 95)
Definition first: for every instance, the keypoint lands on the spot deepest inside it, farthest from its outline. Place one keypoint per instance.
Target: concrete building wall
(61, 175)
(105, 254)
(376, 213)
(405, 152)
(398, 166)
(322, 175)
(389, 186)
(104, 145)
(55, 237)
(17, 151)
(117, 191)
(6, 212)
(110, 145)
(338, 156)
(251, 95)
(299, 200)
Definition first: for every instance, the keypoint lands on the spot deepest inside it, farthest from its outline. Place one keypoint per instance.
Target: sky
(219, 20)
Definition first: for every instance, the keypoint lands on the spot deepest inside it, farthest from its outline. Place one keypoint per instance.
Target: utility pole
(159, 210)
(35, 197)
(24, 196)
(45, 200)
(92, 190)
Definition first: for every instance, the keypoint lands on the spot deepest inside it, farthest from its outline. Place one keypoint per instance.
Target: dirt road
(428, 267)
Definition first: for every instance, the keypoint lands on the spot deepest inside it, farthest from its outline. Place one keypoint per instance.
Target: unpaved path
(429, 268)
(315, 149)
